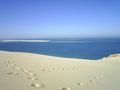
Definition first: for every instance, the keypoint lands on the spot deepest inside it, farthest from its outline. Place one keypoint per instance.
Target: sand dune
(27, 71)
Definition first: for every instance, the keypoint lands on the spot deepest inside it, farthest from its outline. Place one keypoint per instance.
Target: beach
(28, 71)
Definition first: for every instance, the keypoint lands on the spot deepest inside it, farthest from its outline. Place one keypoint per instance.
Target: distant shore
(29, 71)
(24, 40)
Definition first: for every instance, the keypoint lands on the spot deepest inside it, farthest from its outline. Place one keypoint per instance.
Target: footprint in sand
(81, 84)
(96, 77)
(92, 81)
(25, 71)
(63, 68)
(67, 88)
(43, 69)
(12, 73)
(18, 68)
(7, 62)
(33, 78)
(8, 65)
(99, 77)
(12, 64)
(37, 85)
(31, 74)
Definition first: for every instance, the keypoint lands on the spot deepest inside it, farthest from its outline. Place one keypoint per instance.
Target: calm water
(74, 48)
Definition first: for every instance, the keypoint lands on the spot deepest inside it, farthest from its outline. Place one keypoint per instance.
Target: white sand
(24, 40)
(26, 71)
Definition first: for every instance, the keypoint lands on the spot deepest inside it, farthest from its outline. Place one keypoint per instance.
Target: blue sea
(84, 48)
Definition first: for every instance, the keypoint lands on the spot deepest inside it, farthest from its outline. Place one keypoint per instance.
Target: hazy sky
(59, 18)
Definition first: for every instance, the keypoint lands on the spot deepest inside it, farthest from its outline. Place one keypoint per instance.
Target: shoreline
(29, 71)
(109, 56)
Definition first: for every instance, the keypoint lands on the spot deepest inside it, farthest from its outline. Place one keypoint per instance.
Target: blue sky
(59, 18)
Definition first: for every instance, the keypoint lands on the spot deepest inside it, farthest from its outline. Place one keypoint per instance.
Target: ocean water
(85, 48)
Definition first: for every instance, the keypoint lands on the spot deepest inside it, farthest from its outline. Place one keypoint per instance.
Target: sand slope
(26, 71)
